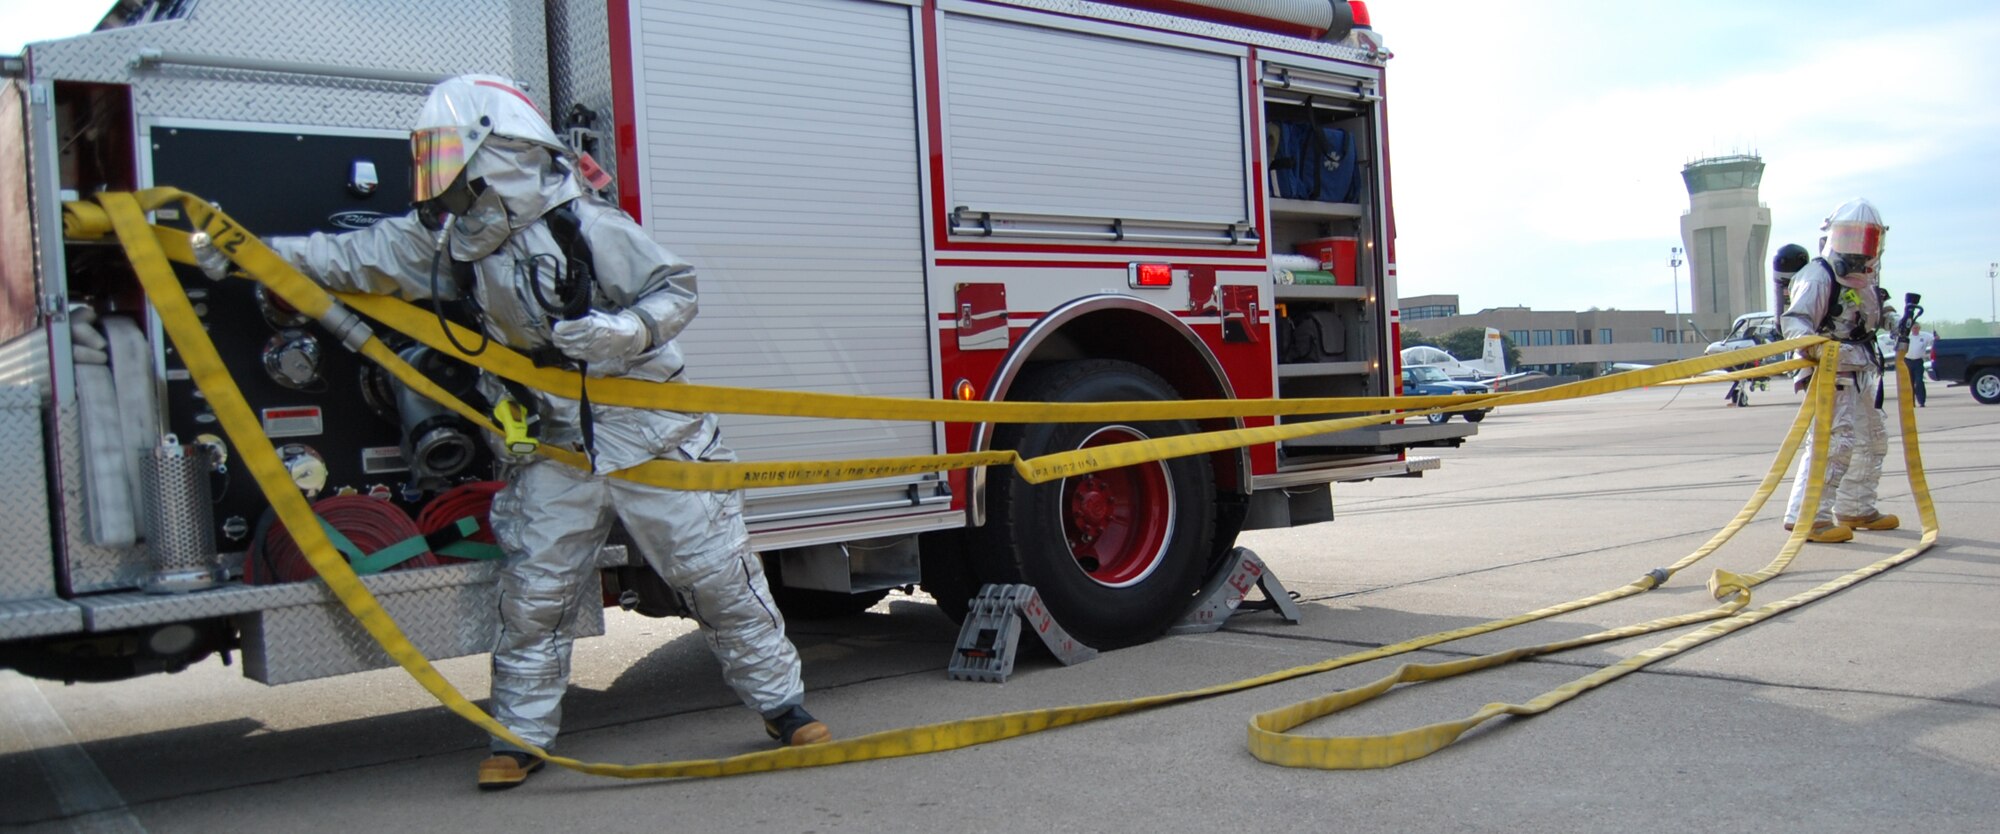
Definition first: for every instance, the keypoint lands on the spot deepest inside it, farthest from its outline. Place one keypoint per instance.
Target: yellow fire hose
(152, 249)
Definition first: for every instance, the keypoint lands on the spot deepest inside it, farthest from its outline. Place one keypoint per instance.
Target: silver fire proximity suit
(551, 519)
(1858, 441)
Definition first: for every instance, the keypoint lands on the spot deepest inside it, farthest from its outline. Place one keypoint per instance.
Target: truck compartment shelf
(1284, 207)
(1389, 435)
(1302, 369)
(1317, 292)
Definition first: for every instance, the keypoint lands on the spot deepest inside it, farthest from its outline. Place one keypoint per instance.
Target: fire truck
(1040, 200)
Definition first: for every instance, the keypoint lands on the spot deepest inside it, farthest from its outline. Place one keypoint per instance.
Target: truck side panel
(779, 144)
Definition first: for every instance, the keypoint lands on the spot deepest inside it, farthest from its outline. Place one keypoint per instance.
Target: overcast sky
(1537, 145)
(26, 21)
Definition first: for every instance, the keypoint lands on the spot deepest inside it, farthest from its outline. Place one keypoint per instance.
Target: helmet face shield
(1856, 247)
(1863, 239)
(438, 155)
(1854, 237)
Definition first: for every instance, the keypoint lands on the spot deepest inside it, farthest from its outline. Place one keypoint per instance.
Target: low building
(1562, 343)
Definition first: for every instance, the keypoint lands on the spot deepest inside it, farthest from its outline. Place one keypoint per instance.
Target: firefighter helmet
(1854, 237)
(461, 114)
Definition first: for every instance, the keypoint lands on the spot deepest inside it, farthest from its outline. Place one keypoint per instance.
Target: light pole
(1992, 308)
(1674, 260)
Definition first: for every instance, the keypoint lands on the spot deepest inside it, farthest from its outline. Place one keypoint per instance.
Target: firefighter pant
(1854, 452)
(551, 521)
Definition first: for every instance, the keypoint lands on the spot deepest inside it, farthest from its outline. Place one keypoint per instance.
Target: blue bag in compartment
(1313, 162)
(1290, 161)
(1336, 168)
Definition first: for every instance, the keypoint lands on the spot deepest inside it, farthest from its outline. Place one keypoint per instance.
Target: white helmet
(460, 114)
(1854, 237)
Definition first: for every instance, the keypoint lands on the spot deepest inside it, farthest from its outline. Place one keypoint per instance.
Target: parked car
(1974, 362)
(1430, 381)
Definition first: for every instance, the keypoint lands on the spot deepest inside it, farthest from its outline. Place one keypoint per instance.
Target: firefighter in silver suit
(1838, 295)
(490, 178)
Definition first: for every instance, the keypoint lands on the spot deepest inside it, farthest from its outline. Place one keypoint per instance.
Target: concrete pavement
(1876, 708)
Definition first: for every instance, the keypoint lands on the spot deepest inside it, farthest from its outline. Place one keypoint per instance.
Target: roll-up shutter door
(781, 160)
(1042, 121)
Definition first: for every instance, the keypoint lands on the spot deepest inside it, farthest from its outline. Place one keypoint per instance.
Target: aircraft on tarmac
(1490, 367)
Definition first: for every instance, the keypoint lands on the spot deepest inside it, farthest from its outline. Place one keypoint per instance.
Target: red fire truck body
(969, 199)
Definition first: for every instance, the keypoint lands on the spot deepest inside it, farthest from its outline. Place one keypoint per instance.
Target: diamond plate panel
(502, 37)
(580, 57)
(37, 617)
(110, 612)
(91, 568)
(305, 642)
(27, 559)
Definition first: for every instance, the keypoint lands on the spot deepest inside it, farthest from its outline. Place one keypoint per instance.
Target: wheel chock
(1224, 595)
(990, 639)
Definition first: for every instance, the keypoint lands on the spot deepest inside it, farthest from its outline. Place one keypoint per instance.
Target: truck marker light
(1150, 275)
(965, 391)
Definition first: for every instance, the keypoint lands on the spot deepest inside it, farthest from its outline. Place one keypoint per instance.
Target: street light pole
(1992, 307)
(1674, 260)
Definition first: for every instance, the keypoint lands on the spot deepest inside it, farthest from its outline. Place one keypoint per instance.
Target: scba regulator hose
(370, 524)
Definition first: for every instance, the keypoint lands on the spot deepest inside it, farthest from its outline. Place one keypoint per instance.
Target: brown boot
(504, 770)
(1872, 521)
(1826, 532)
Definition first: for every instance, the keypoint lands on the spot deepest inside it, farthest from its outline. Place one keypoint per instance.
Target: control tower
(1727, 235)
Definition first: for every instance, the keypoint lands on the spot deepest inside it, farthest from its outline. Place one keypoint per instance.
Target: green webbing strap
(462, 546)
(380, 560)
(341, 542)
(407, 549)
(479, 551)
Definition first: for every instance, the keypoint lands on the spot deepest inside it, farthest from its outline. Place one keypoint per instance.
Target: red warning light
(1152, 275)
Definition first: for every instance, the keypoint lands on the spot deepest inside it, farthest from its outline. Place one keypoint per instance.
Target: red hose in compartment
(370, 523)
(473, 500)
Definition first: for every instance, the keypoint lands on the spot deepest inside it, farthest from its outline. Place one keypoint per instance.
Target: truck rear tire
(1118, 554)
(1986, 385)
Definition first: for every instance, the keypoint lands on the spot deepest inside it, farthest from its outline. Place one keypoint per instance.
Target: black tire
(1116, 555)
(1985, 384)
(1440, 417)
(1474, 416)
(804, 604)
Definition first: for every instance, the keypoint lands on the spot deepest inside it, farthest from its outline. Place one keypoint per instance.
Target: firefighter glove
(213, 263)
(602, 337)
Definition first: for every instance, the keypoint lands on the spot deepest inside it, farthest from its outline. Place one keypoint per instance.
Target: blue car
(1428, 381)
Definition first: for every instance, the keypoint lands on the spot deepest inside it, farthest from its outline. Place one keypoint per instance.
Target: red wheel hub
(1119, 521)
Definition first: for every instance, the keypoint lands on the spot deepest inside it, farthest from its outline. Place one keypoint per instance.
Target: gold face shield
(437, 156)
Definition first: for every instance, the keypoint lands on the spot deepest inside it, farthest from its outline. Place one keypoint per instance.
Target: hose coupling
(346, 326)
